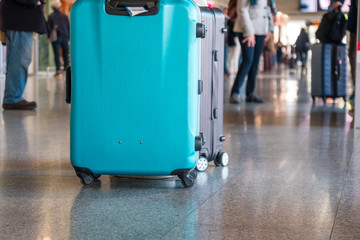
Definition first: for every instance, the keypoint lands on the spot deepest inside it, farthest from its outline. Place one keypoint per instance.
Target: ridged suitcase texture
(134, 89)
(212, 75)
(328, 59)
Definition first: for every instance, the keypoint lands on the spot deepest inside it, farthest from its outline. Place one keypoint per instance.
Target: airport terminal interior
(293, 171)
(293, 174)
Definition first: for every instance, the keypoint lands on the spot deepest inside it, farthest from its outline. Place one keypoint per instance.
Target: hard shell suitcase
(212, 99)
(329, 71)
(134, 88)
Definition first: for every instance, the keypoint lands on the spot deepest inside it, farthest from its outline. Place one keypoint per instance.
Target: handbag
(2, 38)
(53, 34)
(332, 27)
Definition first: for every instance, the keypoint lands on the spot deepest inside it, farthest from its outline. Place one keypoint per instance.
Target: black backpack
(332, 27)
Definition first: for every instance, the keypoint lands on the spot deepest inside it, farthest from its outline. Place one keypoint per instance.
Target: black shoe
(254, 99)
(22, 105)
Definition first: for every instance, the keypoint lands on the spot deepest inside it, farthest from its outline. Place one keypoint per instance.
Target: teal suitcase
(133, 87)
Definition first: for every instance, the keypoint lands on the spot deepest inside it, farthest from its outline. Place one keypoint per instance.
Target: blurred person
(232, 40)
(335, 4)
(59, 22)
(19, 19)
(302, 46)
(66, 6)
(254, 24)
(287, 55)
(279, 53)
(269, 49)
(292, 59)
(226, 46)
(352, 28)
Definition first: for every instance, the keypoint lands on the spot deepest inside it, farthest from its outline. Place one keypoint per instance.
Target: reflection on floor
(293, 174)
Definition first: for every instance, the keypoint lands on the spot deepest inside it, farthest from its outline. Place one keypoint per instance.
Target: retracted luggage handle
(68, 84)
(118, 7)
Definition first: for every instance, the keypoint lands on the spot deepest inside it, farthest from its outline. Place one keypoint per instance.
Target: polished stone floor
(294, 173)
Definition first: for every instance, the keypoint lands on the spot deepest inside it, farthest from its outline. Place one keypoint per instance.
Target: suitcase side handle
(118, 7)
(198, 143)
(200, 30)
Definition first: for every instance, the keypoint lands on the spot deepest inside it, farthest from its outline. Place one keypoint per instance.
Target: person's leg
(247, 60)
(56, 48)
(259, 46)
(300, 58)
(303, 59)
(65, 52)
(18, 59)
(226, 55)
(279, 57)
(352, 60)
(237, 54)
(231, 60)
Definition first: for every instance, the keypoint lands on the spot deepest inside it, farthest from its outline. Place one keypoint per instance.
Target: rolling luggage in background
(329, 71)
(134, 88)
(212, 96)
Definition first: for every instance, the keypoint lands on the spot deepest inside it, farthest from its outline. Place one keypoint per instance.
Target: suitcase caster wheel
(222, 159)
(187, 180)
(193, 174)
(216, 162)
(86, 179)
(202, 164)
(96, 176)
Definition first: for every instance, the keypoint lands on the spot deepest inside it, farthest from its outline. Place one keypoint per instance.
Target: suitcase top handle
(119, 7)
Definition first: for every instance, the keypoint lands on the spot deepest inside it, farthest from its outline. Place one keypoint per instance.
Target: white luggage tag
(133, 11)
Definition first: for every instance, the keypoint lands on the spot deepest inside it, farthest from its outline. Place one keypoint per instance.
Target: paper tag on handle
(133, 11)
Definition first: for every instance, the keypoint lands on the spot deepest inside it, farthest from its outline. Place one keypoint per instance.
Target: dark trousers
(226, 55)
(303, 58)
(249, 65)
(352, 56)
(64, 44)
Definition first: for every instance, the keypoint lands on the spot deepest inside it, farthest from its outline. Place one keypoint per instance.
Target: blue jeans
(303, 58)
(249, 65)
(64, 44)
(18, 59)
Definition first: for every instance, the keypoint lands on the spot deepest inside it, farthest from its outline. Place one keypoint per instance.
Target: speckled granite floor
(293, 174)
